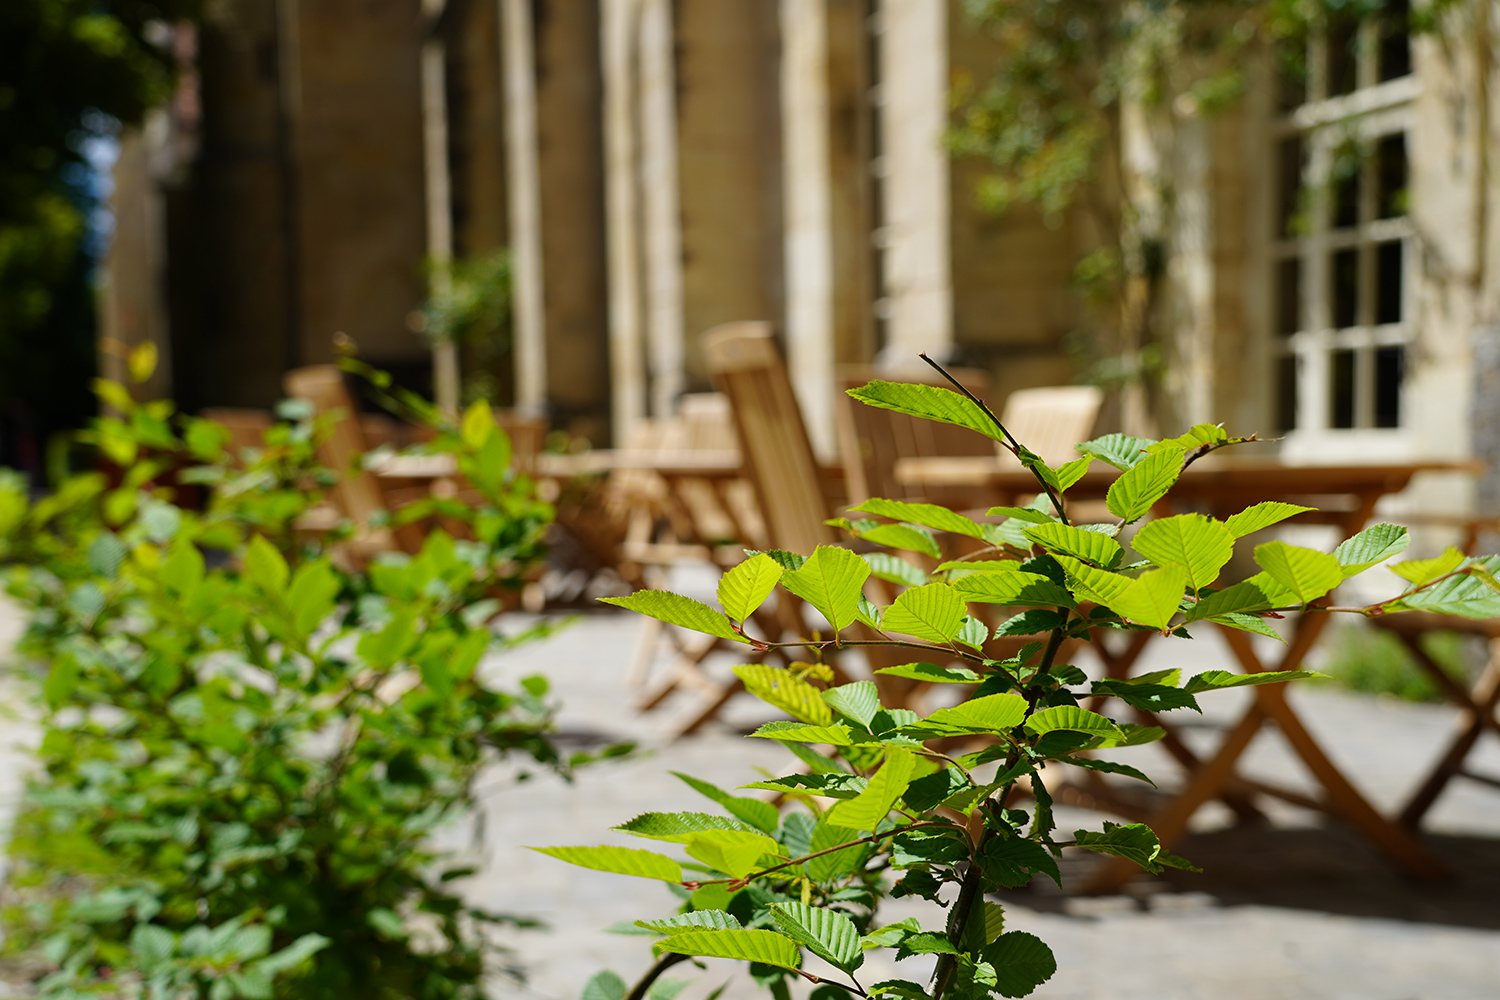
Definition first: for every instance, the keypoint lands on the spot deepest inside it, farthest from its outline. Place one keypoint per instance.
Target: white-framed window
(1342, 243)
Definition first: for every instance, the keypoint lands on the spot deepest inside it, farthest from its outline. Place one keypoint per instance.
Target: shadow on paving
(1329, 869)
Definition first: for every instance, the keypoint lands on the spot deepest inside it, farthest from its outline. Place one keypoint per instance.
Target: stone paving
(1300, 910)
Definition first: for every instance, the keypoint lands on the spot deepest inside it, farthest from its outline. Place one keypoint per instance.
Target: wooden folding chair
(1050, 420)
(359, 494)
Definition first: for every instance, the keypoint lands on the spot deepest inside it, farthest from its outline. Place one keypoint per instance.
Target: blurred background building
(1321, 250)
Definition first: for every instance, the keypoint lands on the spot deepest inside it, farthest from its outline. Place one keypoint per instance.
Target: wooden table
(1346, 496)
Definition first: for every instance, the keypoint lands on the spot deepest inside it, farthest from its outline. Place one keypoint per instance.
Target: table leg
(1397, 842)
(1203, 785)
(1471, 725)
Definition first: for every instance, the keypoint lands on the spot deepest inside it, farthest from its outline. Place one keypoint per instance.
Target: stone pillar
(619, 25)
(445, 376)
(661, 236)
(525, 202)
(918, 294)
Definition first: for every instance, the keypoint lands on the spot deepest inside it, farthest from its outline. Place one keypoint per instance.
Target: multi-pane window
(1341, 268)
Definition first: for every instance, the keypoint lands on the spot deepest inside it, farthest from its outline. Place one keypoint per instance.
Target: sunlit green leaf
(934, 612)
(620, 860)
(1375, 544)
(780, 688)
(932, 673)
(1133, 841)
(865, 811)
(766, 947)
(1420, 571)
(1307, 573)
(1070, 718)
(826, 933)
(1021, 963)
(858, 701)
(674, 609)
(1130, 497)
(1153, 597)
(1120, 450)
(1197, 543)
(745, 587)
(929, 402)
(1262, 515)
(1090, 546)
(830, 581)
(1012, 590)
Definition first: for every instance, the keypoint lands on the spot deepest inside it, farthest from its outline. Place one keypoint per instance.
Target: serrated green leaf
(796, 732)
(1030, 622)
(958, 568)
(152, 944)
(619, 860)
(1108, 767)
(991, 713)
(973, 633)
(736, 853)
(1090, 546)
(1012, 861)
(930, 402)
(1197, 543)
(1089, 583)
(745, 587)
(934, 612)
(293, 954)
(780, 688)
(1248, 623)
(1375, 544)
(1120, 450)
(903, 536)
(932, 673)
(761, 815)
(674, 609)
(1420, 571)
(1216, 680)
(1262, 515)
(1135, 842)
(679, 827)
(826, 933)
(1466, 596)
(866, 810)
(893, 569)
(858, 701)
(1012, 590)
(716, 919)
(1307, 573)
(1147, 697)
(1021, 962)
(1130, 497)
(1069, 474)
(834, 786)
(1244, 597)
(1072, 719)
(830, 581)
(766, 947)
(837, 864)
(929, 515)
(1030, 515)
(1153, 597)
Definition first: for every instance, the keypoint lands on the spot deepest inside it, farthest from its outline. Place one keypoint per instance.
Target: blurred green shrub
(249, 737)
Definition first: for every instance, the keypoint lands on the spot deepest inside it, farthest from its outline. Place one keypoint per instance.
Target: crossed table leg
(1214, 776)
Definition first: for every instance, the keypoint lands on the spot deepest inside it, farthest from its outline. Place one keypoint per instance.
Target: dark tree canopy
(69, 70)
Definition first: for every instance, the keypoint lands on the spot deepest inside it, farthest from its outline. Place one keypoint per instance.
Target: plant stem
(1010, 442)
(968, 891)
(662, 965)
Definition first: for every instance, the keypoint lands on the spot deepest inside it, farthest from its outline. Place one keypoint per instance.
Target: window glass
(1286, 393)
(1393, 54)
(1390, 176)
(1343, 274)
(1289, 186)
(1343, 42)
(1289, 296)
(1388, 282)
(1341, 390)
(1390, 363)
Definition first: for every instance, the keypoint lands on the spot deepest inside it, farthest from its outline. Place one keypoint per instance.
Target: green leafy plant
(250, 734)
(884, 791)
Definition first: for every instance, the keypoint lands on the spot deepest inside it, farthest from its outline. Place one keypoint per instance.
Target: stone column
(445, 376)
(661, 236)
(525, 203)
(918, 295)
(619, 25)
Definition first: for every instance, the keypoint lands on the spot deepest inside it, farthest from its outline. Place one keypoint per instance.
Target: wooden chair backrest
(1050, 420)
(247, 428)
(872, 439)
(358, 493)
(778, 458)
